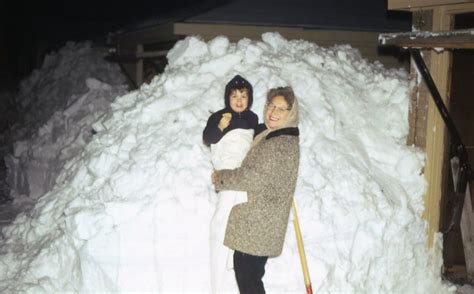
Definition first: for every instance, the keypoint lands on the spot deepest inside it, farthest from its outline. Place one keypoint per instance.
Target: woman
(256, 229)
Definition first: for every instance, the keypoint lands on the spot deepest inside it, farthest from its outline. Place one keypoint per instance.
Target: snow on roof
(430, 39)
(426, 34)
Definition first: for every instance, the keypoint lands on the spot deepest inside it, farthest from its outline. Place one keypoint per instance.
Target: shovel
(299, 241)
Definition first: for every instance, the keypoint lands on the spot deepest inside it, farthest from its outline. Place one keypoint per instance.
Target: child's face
(239, 100)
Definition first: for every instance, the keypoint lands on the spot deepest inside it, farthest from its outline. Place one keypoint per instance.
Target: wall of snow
(58, 104)
(131, 211)
(61, 80)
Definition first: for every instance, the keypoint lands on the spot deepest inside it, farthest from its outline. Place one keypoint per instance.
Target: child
(229, 132)
(235, 115)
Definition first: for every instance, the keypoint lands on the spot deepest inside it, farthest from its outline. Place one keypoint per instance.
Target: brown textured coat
(268, 175)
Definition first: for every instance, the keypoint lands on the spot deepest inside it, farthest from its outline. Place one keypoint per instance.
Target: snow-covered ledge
(427, 39)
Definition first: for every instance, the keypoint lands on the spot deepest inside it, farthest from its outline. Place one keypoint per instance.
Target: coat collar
(285, 131)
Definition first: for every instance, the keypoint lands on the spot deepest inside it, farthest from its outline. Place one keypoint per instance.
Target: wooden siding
(432, 136)
(417, 4)
(456, 39)
(151, 35)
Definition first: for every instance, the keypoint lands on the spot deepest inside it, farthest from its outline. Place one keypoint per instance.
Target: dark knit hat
(238, 82)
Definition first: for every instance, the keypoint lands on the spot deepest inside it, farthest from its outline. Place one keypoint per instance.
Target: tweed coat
(268, 174)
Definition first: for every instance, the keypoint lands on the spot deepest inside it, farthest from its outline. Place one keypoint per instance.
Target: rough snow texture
(131, 211)
(61, 80)
(58, 103)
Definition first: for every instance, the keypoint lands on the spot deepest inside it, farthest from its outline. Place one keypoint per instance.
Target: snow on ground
(131, 210)
(465, 289)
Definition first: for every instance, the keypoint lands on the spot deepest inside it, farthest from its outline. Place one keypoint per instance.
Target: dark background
(27, 27)
(31, 29)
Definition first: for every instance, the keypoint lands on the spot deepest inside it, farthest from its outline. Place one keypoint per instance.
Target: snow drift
(131, 211)
(58, 104)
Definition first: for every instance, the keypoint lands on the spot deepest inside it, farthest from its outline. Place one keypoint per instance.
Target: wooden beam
(423, 39)
(153, 34)
(460, 8)
(129, 57)
(418, 113)
(417, 4)
(439, 65)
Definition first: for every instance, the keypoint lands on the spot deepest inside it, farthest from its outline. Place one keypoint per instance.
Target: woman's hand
(214, 176)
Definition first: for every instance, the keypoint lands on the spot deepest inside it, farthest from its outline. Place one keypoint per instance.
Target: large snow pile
(58, 104)
(131, 212)
(61, 79)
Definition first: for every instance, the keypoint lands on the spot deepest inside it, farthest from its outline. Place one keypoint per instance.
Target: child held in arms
(229, 132)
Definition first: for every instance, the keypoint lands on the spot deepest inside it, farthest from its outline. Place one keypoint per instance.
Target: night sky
(26, 26)
(31, 29)
(53, 18)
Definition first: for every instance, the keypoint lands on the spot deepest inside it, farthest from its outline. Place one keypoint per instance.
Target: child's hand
(225, 121)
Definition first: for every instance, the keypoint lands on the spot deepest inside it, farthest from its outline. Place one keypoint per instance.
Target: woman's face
(276, 113)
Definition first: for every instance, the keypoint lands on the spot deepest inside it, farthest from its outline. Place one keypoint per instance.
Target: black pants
(249, 270)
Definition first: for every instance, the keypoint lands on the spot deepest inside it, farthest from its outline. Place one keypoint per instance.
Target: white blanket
(228, 153)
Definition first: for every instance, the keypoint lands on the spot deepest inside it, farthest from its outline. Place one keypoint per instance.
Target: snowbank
(58, 104)
(131, 211)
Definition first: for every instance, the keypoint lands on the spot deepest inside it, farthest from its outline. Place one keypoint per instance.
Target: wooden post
(439, 65)
(299, 242)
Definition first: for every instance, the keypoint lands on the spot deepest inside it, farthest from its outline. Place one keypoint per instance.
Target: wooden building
(443, 29)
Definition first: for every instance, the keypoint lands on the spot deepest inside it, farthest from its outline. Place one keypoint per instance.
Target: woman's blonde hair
(285, 92)
(290, 98)
(293, 117)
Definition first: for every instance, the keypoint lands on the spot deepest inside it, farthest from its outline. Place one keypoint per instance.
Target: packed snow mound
(60, 81)
(36, 162)
(132, 211)
(58, 104)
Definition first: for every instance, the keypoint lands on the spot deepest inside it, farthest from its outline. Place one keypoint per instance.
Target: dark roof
(362, 15)
(180, 13)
